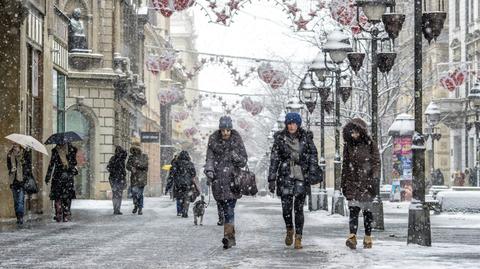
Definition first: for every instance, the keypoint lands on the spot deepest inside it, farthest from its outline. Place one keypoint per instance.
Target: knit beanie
(225, 123)
(293, 117)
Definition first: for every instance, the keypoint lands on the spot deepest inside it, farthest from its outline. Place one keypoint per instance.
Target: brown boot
(367, 241)
(228, 236)
(58, 211)
(289, 237)
(298, 241)
(352, 241)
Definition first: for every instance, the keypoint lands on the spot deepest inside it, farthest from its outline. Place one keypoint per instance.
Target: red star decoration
(233, 5)
(222, 17)
(301, 23)
(239, 81)
(189, 75)
(234, 71)
(293, 9)
(213, 5)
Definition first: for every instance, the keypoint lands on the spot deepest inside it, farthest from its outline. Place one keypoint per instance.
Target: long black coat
(116, 168)
(361, 163)
(182, 171)
(281, 155)
(16, 180)
(62, 176)
(225, 158)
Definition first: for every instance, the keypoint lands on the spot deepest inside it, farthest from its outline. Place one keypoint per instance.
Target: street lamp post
(474, 97)
(432, 113)
(431, 24)
(375, 10)
(337, 46)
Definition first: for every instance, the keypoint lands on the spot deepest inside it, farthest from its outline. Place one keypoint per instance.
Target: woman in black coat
(293, 166)
(226, 155)
(117, 177)
(61, 171)
(181, 179)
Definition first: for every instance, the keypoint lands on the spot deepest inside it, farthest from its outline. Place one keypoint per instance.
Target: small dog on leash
(199, 210)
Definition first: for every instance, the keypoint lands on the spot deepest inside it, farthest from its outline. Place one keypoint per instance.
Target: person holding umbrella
(61, 172)
(20, 171)
(19, 164)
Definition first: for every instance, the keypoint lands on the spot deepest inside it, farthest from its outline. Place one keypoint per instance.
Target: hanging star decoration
(222, 17)
(302, 23)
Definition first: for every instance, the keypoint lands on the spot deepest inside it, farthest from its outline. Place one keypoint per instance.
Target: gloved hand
(271, 186)
(210, 175)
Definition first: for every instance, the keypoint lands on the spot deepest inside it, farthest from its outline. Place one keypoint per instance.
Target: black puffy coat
(62, 176)
(116, 168)
(181, 176)
(225, 158)
(361, 163)
(280, 158)
(137, 164)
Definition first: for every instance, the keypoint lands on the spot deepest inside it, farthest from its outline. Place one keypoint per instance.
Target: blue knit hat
(225, 123)
(293, 117)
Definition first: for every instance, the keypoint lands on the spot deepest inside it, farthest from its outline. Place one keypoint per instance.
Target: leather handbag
(30, 185)
(244, 183)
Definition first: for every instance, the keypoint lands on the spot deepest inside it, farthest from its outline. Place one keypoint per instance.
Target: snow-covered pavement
(159, 239)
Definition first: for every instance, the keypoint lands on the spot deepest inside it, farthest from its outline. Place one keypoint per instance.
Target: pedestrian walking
(19, 164)
(226, 155)
(61, 171)
(181, 181)
(137, 164)
(117, 177)
(360, 178)
(293, 165)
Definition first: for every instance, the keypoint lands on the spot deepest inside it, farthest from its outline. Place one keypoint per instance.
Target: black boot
(135, 208)
(140, 211)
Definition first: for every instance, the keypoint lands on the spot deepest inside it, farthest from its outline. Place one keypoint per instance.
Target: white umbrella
(27, 141)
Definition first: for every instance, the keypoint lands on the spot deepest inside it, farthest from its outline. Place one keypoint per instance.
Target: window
(58, 101)
(457, 54)
(472, 11)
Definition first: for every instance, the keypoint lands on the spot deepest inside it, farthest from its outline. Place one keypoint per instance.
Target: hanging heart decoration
(180, 116)
(171, 96)
(168, 7)
(455, 78)
(274, 78)
(189, 132)
(253, 107)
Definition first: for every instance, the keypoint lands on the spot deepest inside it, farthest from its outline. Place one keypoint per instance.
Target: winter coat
(116, 168)
(361, 163)
(281, 157)
(62, 176)
(225, 158)
(137, 164)
(19, 167)
(181, 176)
(437, 178)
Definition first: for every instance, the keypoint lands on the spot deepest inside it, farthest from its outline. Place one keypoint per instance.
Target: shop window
(58, 101)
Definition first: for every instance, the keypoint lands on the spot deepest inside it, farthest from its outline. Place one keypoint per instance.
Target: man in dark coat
(62, 170)
(293, 166)
(19, 164)
(117, 177)
(226, 155)
(360, 177)
(181, 179)
(137, 164)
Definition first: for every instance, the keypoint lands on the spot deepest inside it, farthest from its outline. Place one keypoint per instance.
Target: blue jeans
(137, 193)
(179, 206)
(228, 207)
(19, 201)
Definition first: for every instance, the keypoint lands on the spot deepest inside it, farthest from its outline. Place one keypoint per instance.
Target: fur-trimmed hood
(356, 124)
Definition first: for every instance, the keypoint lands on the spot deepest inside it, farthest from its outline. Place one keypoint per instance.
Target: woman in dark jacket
(117, 177)
(293, 166)
(360, 174)
(61, 171)
(137, 164)
(181, 179)
(19, 164)
(226, 155)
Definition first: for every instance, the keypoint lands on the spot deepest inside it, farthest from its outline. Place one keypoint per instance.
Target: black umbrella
(63, 138)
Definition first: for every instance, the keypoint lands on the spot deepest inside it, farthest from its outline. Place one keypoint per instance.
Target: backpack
(183, 179)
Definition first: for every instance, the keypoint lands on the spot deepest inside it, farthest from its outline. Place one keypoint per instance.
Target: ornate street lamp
(375, 11)
(337, 47)
(432, 114)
